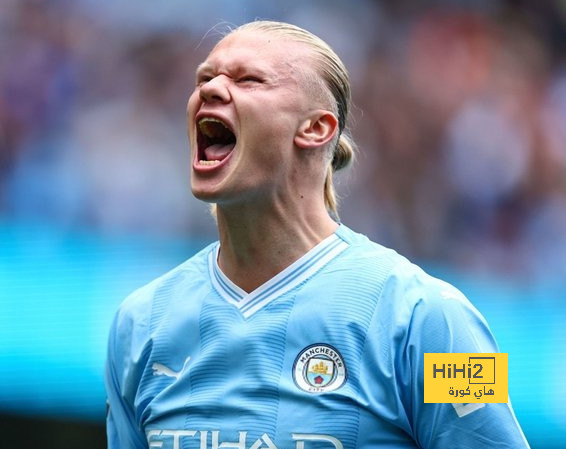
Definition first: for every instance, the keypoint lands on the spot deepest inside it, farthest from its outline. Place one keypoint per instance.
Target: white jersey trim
(289, 278)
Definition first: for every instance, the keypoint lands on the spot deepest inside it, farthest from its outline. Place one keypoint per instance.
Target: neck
(256, 243)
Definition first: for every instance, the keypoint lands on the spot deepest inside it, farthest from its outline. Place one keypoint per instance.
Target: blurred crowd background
(460, 115)
(460, 118)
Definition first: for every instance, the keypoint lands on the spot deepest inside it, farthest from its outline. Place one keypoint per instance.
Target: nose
(215, 89)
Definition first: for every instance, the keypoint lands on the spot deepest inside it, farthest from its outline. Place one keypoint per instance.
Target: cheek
(271, 124)
(192, 104)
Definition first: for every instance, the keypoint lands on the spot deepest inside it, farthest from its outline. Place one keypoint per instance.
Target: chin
(205, 195)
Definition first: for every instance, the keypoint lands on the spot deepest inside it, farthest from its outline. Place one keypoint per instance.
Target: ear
(316, 130)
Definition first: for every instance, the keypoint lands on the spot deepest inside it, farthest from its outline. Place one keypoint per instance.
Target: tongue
(218, 152)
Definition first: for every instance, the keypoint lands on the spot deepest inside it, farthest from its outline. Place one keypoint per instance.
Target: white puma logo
(162, 370)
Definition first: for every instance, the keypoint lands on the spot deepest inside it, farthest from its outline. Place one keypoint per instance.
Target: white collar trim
(289, 278)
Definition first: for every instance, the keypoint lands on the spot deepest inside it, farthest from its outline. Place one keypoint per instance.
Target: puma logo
(162, 370)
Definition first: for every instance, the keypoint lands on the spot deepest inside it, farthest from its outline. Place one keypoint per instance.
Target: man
(292, 331)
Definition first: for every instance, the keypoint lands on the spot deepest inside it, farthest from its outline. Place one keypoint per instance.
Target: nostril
(214, 90)
(209, 96)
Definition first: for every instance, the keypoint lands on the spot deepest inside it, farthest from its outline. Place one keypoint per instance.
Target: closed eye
(250, 79)
(203, 80)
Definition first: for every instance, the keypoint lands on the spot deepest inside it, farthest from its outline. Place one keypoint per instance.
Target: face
(248, 103)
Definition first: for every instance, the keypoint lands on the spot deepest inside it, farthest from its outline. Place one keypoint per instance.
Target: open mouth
(215, 141)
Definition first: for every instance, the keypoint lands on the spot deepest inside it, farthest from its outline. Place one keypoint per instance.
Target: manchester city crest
(319, 368)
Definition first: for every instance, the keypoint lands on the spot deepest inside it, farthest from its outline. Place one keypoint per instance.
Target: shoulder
(433, 314)
(365, 258)
(139, 305)
(411, 300)
(411, 284)
(138, 317)
(403, 280)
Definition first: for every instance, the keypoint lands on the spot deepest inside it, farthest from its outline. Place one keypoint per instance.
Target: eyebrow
(206, 66)
(203, 67)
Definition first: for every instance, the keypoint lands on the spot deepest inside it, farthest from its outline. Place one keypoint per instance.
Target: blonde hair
(335, 79)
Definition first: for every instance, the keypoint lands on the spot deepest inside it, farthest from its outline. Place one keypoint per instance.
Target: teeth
(201, 162)
(206, 130)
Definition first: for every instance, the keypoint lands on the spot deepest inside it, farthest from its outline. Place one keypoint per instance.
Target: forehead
(266, 50)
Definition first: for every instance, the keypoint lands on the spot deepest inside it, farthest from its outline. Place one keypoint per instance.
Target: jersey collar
(286, 280)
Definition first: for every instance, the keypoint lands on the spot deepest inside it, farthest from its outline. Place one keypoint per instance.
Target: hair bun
(343, 153)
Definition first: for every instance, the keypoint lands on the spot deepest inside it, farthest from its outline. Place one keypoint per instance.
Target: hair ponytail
(343, 155)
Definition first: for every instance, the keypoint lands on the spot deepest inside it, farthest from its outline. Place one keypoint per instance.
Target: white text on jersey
(157, 438)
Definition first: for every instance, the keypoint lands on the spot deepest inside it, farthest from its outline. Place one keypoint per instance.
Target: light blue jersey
(327, 354)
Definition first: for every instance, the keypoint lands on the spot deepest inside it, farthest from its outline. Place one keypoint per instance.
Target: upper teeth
(207, 130)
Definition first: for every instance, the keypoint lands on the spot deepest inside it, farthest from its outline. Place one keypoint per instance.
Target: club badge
(319, 368)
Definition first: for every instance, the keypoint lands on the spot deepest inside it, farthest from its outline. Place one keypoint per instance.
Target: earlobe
(317, 130)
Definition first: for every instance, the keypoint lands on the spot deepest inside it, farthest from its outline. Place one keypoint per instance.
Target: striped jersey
(327, 354)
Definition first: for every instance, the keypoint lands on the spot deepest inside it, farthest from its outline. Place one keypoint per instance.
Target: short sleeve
(443, 320)
(121, 424)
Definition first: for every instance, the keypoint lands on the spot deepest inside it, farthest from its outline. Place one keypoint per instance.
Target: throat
(258, 241)
(249, 265)
(252, 275)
